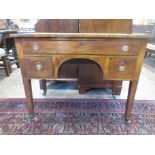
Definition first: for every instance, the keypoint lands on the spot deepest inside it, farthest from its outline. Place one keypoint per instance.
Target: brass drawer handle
(35, 47)
(38, 66)
(125, 48)
(122, 66)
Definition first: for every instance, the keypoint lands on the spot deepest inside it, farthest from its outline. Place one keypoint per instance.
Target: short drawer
(105, 47)
(122, 68)
(37, 67)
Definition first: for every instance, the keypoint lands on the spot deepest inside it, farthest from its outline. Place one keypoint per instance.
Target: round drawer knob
(122, 68)
(125, 48)
(38, 66)
(35, 47)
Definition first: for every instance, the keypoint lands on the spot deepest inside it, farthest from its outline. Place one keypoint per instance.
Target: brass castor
(128, 120)
(44, 93)
(32, 117)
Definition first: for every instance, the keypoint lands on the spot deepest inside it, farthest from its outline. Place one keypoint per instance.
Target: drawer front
(122, 68)
(111, 46)
(50, 47)
(37, 67)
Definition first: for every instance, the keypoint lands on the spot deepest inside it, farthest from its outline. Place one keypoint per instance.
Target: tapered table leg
(130, 99)
(28, 94)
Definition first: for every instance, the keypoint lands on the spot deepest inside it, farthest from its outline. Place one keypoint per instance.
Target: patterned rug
(76, 117)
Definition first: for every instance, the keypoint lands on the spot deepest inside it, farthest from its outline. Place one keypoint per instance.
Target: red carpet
(76, 116)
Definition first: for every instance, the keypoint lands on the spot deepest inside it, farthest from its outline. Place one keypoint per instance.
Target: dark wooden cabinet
(105, 26)
(57, 25)
(8, 43)
(82, 70)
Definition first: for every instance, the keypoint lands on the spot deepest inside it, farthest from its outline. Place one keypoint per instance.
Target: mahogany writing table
(119, 56)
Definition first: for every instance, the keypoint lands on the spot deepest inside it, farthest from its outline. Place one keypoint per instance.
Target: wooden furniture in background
(57, 25)
(5, 65)
(41, 56)
(142, 29)
(78, 69)
(3, 61)
(8, 44)
(147, 29)
(3, 24)
(150, 48)
(151, 44)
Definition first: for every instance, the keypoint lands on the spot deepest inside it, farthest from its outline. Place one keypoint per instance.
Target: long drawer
(106, 47)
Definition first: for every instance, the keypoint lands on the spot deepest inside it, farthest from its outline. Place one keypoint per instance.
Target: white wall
(25, 24)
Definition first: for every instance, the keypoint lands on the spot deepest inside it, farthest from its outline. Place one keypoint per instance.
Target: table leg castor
(128, 120)
(44, 93)
(32, 117)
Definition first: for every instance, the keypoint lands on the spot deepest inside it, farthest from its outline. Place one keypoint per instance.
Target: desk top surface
(81, 35)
